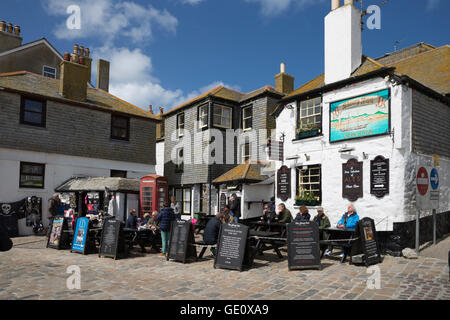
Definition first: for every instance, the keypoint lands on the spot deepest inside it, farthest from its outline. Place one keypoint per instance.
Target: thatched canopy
(100, 184)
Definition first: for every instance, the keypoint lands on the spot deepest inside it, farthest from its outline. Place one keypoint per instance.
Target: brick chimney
(9, 36)
(343, 46)
(103, 75)
(284, 82)
(75, 74)
(150, 108)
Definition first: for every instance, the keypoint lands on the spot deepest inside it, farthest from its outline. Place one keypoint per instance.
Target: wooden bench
(204, 246)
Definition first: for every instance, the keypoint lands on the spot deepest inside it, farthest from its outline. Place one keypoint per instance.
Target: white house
(395, 106)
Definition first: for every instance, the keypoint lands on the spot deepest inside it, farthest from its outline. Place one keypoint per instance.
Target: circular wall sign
(422, 181)
(434, 179)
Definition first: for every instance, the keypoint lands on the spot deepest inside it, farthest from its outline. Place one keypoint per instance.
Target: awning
(249, 172)
(100, 184)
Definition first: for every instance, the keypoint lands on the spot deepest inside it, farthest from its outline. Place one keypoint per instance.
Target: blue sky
(164, 52)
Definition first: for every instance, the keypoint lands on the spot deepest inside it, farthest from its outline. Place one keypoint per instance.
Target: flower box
(308, 203)
(307, 134)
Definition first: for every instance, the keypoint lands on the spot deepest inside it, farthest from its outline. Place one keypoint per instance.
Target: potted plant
(306, 199)
(309, 130)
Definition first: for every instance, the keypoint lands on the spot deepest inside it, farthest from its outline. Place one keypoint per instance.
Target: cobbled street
(31, 271)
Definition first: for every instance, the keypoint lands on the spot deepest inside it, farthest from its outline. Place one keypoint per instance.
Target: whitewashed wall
(58, 169)
(385, 211)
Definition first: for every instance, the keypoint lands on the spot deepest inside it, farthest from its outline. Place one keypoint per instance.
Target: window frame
(43, 112)
(44, 72)
(300, 182)
(244, 156)
(200, 116)
(222, 107)
(24, 163)
(311, 116)
(127, 138)
(243, 118)
(179, 167)
(180, 133)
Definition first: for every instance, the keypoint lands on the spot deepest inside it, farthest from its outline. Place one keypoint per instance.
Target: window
(120, 127)
(203, 116)
(222, 116)
(118, 174)
(32, 175)
(179, 161)
(309, 182)
(33, 112)
(245, 152)
(49, 72)
(180, 124)
(310, 115)
(247, 118)
(147, 199)
(160, 128)
(187, 201)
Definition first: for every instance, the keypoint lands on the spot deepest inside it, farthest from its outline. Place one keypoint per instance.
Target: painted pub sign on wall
(284, 183)
(352, 181)
(379, 176)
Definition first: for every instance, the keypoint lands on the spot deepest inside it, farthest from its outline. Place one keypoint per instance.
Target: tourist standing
(165, 218)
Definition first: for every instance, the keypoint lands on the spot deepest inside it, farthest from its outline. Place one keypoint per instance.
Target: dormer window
(222, 116)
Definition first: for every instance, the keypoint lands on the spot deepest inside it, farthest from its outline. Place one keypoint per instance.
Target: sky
(165, 52)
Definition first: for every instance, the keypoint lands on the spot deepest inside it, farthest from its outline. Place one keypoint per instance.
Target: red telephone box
(154, 192)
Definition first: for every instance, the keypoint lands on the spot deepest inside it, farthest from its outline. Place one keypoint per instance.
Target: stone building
(56, 128)
(394, 109)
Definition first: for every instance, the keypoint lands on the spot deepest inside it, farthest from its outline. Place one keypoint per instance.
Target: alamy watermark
(73, 282)
(74, 20)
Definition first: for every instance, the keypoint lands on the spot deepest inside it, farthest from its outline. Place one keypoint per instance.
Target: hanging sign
(379, 176)
(284, 183)
(352, 180)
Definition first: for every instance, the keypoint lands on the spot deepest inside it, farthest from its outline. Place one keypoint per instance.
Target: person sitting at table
(228, 218)
(283, 215)
(268, 216)
(131, 222)
(212, 229)
(348, 220)
(303, 215)
(153, 231)
(165, 218)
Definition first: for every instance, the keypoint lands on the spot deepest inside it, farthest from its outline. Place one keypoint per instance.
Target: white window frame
(246, 118)
(220, 125)
(45, 72)
(310, 186)
(244, 156)
(203, 115)
(179, 164)
(310, 112)
(187, 200)
(179, 129)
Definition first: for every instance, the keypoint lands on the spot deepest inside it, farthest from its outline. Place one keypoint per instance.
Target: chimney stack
(9, 36)
(161, 110)
(284, 82)
(343, 46)
(103, 75)
(150, 108)
(75, 74)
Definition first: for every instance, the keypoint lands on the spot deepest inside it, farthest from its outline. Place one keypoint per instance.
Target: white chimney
(343, 46)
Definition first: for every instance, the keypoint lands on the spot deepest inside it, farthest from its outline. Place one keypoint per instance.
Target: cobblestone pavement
(31, 271)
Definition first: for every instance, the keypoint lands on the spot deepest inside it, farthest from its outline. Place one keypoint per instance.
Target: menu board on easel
(303, 245)
(369, 243)
(181, 241)
(231, 247)
(111, 238)
(58, 226)
(80, 236)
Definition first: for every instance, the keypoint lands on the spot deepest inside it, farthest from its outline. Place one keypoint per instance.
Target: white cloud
(131, 79)
(191, 2)
(432, 4)
(276, 7)
(111, 19)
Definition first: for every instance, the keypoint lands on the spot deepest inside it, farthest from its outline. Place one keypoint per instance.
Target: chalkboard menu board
(369, 243)
(11, 225)
(231, 246)
(284, 183)
(80, 236)
(181, 238)
(303, 245)
(111, 233)
(352, 180)
(379, 176)
(58, 226)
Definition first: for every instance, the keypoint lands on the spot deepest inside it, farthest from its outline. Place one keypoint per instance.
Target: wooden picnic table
(339, 237)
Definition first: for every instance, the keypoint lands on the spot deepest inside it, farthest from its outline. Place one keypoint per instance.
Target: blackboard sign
(369, 243)
(80, 236)
(231, 246)
(303, 245)
(181, 241)
(56, 233)
(379, 176)
(111, 235)
(11, 225)
(284, 183)
(352, 180)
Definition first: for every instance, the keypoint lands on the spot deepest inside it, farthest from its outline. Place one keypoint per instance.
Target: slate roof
(99, 184)
(227, 94)
(27, 82)
(428, 65)
(248, 172)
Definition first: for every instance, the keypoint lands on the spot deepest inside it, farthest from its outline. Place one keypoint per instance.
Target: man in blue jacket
(165, 218)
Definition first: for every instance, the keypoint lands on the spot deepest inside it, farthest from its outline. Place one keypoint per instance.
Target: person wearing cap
(321, 219)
